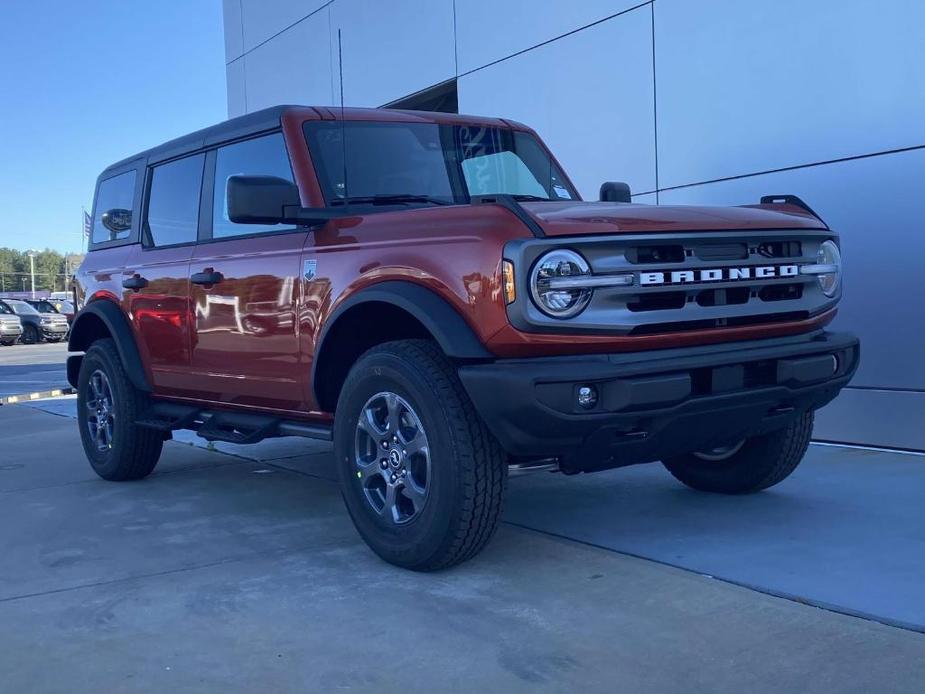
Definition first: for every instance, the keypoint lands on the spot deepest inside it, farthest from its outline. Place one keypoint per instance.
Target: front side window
(262, 156)
(434, 163)
(173, 203)
(112, 219)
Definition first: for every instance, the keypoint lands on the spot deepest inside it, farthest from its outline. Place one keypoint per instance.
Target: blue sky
(86, 83)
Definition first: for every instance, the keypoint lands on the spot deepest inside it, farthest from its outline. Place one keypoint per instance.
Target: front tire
(749, 466)
(108, 405)
(422, 477)
(30, 335)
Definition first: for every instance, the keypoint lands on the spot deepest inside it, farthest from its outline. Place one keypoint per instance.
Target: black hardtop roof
(241, 126)
(269, 119)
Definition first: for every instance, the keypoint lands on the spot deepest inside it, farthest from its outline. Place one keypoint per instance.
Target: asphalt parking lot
(238, 569)
(32, 368)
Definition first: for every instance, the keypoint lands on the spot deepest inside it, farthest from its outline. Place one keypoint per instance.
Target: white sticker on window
(561, 192)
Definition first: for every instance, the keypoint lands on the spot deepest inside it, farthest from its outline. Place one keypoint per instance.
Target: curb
(13, 399)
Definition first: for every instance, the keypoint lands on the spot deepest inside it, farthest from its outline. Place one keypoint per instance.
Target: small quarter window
(112, 219)
(173, 204)
(262, 156)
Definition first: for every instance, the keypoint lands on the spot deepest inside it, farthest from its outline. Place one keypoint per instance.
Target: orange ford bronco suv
(430, 293)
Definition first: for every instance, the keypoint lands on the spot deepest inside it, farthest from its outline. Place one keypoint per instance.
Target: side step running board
(232, 427)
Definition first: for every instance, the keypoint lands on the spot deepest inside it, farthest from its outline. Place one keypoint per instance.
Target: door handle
(207, 276)
(137, 282)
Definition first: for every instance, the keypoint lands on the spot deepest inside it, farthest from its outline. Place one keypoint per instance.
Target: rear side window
(173, 203)
(262, 156)
(112, 219)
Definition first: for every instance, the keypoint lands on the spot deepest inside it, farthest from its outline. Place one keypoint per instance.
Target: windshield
(21, 307)
(430, 163)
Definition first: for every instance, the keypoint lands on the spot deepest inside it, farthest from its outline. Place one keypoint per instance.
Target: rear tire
(108, 405)
(30, 335)
(760, 462)
(448, 507)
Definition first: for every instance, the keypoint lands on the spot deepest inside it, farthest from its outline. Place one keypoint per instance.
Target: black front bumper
(657, 404)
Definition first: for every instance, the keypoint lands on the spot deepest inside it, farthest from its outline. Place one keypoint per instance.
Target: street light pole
(31, 255)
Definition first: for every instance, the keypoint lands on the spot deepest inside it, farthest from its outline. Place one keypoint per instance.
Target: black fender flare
(83, 334)
(449, 329)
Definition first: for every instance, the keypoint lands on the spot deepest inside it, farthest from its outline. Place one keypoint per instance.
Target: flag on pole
(88, 224)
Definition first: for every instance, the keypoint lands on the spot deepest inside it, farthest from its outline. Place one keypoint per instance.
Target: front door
(244, 291)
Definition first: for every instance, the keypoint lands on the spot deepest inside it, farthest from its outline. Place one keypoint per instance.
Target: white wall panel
(295, 67)
(597, 120)
(745, 87)
(877, 206)
(234, 78)
(392, 49)
(266, 18)
(488, 30)
(234, 37)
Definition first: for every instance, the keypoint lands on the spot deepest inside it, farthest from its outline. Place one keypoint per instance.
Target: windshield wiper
(530, 198)
(397, 198)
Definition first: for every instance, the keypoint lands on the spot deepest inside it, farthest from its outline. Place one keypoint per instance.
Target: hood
(581, 218)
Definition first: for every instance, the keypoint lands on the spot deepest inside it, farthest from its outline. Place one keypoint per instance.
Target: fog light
(587, 396)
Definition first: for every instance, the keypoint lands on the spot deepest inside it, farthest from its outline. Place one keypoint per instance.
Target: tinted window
(173, 204)
(112, 219)
(382, 159)
(263, 156)
(444, 163)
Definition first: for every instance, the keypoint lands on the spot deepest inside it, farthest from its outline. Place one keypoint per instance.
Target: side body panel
(245, 336)
(160, 314)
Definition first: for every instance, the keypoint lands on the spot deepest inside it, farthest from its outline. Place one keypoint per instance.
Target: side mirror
(615, 191)
(260, 199)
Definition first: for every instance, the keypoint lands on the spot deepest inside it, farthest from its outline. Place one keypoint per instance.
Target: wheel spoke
(368, 424)
(394, 413)
(368, 470)
(390, 508)
(415, 494)
(417, 444)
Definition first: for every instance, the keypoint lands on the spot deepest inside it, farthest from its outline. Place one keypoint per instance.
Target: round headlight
(829, 255)
(550, 285)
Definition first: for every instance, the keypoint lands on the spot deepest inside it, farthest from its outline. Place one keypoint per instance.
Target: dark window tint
(112, 219)
(173, 204)
(382, 159)
(439, 163)
(263, 156)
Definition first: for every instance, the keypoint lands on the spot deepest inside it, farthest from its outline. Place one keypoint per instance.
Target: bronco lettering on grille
(723, 274)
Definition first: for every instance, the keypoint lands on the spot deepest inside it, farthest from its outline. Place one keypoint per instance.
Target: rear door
(244, 292)
(157, 287)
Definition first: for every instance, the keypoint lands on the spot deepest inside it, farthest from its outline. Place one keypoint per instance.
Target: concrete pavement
(224, 573)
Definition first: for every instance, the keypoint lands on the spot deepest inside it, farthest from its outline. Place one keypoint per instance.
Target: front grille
(688, 281)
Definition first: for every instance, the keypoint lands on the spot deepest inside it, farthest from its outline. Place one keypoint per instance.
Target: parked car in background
(54, 307)
(36, 326)
(10, 325)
